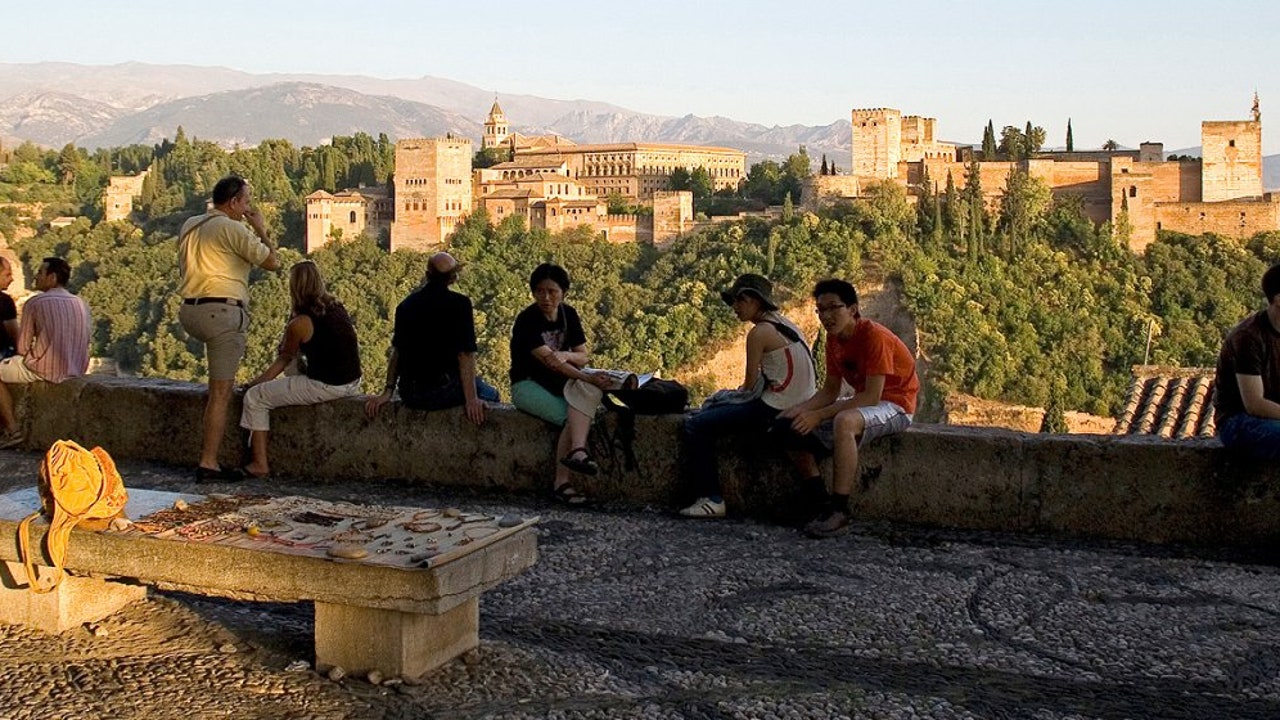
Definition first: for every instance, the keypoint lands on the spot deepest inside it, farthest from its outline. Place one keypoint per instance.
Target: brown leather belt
(203, 300)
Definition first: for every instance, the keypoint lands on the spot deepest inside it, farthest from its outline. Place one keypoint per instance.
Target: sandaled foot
(569, 495)
(251, 472)
(579, 461)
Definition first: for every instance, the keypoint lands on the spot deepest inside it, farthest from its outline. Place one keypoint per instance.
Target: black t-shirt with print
(533, 330)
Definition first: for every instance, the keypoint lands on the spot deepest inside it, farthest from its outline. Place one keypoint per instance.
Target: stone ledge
(1136, 488)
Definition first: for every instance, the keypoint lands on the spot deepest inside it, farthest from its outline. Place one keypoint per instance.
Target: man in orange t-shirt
(882, 373)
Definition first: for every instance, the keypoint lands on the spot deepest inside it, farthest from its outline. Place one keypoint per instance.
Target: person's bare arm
(375, 403)
(1252, 395)
(474, 406)
(557, 363)
(298, 331)
(254, 218)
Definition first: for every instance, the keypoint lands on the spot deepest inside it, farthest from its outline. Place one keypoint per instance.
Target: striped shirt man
(55, 334)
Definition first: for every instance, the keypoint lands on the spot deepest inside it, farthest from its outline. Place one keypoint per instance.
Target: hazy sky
(1130, 70)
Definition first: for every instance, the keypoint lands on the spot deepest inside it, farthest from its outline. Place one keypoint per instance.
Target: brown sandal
(579, 460)
(569, 495)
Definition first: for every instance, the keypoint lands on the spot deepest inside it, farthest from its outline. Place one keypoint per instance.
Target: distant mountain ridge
(92, 106)
(54, 103)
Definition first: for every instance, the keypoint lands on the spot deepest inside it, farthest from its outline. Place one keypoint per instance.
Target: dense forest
(1026, 301)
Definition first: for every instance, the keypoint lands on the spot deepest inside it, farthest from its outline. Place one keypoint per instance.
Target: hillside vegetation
(1030, 303)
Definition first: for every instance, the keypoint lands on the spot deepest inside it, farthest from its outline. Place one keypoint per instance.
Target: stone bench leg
(77, 600)
(361, 639)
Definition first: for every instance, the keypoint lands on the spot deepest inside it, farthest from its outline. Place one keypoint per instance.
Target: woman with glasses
(549, 376)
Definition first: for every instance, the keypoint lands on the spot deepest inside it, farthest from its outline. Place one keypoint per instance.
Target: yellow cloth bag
(77, 486)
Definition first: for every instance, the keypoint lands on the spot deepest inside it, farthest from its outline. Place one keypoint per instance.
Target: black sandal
(580, 464)
(569, 495)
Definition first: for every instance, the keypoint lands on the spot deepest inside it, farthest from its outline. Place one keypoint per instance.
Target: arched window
(353, 216)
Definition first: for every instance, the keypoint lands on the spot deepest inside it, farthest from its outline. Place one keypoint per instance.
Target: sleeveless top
(790, 377)
(332, 353)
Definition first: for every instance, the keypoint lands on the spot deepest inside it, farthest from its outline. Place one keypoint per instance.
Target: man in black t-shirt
(8, 312)
(433, 349)
(1246, 396)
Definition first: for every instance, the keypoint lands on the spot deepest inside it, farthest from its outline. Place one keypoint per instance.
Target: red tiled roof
(1170, 402)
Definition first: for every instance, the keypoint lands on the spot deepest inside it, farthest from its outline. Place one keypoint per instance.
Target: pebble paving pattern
(638, 614)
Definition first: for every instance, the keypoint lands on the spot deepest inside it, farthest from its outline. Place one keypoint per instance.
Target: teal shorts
(534, 399)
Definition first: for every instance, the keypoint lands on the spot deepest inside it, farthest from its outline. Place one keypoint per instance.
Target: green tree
(700, 183)
(989, 142)
(1023, 207)
(1071, 145)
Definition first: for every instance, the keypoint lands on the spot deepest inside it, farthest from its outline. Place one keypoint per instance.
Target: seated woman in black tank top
(320, 335)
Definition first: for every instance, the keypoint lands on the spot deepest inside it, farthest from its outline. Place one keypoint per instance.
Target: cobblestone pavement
(632, 614)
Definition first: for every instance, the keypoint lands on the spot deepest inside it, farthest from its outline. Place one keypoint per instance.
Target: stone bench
(401, 621)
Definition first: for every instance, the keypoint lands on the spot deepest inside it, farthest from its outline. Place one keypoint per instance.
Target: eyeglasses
(823, 309)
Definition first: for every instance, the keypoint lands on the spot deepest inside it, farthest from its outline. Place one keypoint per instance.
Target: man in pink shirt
(53, 341)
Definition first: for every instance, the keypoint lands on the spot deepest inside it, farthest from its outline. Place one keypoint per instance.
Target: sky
(1128, 70)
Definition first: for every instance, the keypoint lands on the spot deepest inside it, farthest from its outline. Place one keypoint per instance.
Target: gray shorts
(222, 328)
(881, 420)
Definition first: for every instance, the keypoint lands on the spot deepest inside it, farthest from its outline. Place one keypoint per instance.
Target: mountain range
(92, 106)
(101, 106)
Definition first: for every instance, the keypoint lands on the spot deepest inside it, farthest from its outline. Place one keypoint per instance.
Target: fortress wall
(1239, 219)
(1137, 488)
(1177, 181)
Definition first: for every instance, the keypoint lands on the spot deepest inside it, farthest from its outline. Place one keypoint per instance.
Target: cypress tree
(989, 142)
(1026, 142)
(1071, 145)
(823, 170)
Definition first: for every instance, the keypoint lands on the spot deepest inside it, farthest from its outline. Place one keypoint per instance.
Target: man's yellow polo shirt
(214, 260)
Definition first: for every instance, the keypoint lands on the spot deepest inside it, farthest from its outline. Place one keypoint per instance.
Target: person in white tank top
(779, 374)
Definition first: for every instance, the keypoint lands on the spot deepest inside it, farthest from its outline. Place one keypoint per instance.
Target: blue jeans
(702, 428)
(445, 396)
(1259, 437)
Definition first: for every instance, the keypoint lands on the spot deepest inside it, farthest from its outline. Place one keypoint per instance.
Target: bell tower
(495, 127)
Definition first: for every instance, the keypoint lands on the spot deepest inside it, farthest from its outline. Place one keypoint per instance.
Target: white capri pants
(289, 390)
(583, 396)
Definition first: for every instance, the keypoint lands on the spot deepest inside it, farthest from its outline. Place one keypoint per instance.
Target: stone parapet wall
(1085, 485)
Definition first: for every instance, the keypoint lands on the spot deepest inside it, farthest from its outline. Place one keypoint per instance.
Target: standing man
(1246, 396)
(433, 349)
(8, 312)
(53, 341)
(216, 251)
(882, 373)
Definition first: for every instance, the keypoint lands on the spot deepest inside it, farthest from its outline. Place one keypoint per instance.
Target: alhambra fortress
(556, 184)
(1219, 193)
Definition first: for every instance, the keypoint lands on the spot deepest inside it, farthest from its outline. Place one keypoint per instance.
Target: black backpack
(656, 397)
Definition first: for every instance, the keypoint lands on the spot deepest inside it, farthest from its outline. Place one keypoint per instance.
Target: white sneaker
(704, 508)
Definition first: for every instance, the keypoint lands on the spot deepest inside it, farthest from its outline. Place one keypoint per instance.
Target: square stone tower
(432, 191)
(1232, 153)
(877, 143)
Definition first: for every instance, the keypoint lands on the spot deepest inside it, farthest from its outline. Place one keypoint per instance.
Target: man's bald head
(442, 267)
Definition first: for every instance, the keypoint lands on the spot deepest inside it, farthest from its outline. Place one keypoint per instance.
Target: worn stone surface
(75, 601)
(243, 573)
(637, 614)
(1087, 485)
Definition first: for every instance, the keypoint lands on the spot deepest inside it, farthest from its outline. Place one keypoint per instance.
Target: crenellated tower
(877, 143)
